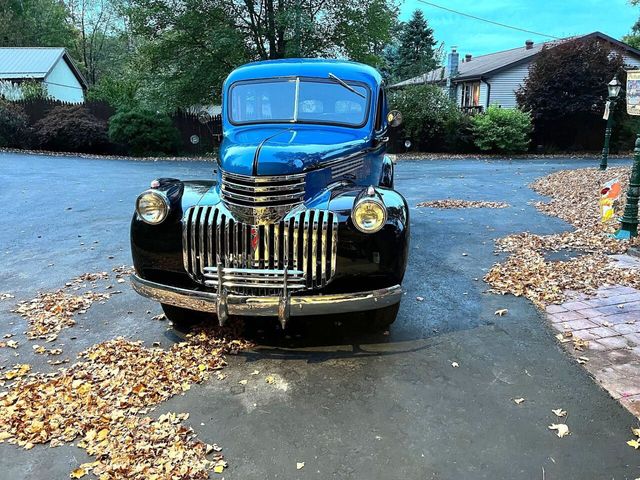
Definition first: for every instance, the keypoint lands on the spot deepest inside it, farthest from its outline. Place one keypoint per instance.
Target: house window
(471, 94)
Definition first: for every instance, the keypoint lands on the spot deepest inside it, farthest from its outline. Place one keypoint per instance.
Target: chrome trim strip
(261, 189)
(263, 179)
(250, 271)
(262, 199)
(334, 244)
(268, 306)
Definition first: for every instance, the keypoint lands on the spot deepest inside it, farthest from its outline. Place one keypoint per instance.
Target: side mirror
(394, 118)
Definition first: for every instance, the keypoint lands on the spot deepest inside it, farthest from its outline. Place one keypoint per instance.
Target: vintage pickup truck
(300, 216)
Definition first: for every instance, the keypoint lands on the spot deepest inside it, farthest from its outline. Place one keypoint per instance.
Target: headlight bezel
(360, 203)
(163, 199)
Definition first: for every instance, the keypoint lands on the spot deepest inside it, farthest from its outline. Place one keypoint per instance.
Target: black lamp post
(629, 221)
(614, 88)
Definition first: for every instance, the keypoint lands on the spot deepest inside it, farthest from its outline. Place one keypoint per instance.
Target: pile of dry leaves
(574, 198)
(100, 399)
(452, 203)
(50, 312)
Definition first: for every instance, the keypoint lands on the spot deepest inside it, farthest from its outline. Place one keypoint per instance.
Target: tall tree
(100, 45)
(417, 53)
(567, 88)
(35, 23)
(288, 28)
(185, 49)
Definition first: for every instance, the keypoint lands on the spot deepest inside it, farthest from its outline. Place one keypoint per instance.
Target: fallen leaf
(255, 372)
(559, 412)
(560, 428)
(270, 379)
(78, 473)
(634, 443)
(242, 382)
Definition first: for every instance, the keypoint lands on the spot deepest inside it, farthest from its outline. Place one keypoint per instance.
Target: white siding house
(493, 79)
(50, 66)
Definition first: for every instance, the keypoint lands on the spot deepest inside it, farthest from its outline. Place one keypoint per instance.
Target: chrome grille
(279, 191)
(254, 257)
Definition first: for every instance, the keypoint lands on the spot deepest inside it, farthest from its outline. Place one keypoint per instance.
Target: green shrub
(13, 125)
(502, 130)
(144, 132)
(430, 118)
(119, 92)
(70, 128)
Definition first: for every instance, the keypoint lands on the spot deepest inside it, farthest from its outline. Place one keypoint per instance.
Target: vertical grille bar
(285, 246)
(334, 244)
(276, 245)
(305, 248)
(267, 234)
(296, 227)
(210, 243)
(314, 248)
(194, 241)
(186, 257)
(323, 249)
(219, 233)
(202, 225)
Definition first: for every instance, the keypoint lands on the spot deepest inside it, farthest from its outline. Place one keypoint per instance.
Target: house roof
(34, 62)
(484, 65)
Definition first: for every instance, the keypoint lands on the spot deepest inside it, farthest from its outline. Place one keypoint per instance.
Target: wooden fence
(197, 137)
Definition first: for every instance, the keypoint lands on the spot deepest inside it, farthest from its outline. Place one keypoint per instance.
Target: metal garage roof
(33, 62)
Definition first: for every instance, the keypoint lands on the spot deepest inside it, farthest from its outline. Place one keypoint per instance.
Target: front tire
(384, 317)
(182, 316)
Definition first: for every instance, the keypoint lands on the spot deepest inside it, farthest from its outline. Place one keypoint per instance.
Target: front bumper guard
(280, 306)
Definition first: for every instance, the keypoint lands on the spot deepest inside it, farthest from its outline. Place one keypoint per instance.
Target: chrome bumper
(268, 306)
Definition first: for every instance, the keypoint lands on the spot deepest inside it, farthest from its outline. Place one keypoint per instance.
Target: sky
(560, 18)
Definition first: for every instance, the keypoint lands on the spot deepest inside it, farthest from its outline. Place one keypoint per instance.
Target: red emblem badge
(255, 237)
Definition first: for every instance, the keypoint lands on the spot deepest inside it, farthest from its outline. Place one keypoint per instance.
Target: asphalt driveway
(351, 405)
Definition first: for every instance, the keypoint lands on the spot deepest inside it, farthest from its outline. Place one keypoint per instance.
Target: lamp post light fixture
(614, 87)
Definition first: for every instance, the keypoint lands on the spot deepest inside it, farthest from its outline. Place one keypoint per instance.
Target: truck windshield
(298, 100)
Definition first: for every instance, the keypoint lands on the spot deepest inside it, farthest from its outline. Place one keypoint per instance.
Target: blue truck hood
(287, 149)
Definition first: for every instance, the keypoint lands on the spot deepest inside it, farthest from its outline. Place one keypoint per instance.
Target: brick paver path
(610, 322)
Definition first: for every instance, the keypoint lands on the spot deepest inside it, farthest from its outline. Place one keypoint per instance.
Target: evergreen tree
(416, 54)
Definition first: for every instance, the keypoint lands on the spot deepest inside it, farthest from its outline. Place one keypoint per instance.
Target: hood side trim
(256, 155)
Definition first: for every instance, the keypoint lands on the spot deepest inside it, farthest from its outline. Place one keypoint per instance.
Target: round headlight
(152, 207)
(369, 216)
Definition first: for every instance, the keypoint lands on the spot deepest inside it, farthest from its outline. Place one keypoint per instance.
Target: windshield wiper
(346, 85)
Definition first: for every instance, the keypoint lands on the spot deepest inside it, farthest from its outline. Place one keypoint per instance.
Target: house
(52, 67)
(477, 82)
